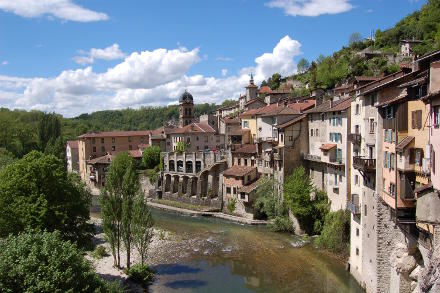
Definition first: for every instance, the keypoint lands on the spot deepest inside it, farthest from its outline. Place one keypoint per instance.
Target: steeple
(251, 81)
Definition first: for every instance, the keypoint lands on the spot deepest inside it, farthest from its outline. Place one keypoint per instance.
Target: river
(220, 256)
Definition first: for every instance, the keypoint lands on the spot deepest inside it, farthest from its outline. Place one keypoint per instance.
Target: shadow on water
(185, 284)
(175, 269)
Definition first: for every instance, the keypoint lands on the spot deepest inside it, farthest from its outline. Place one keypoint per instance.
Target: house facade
(72, 156)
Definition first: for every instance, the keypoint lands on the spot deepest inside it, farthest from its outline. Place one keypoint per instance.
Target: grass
(99, 252)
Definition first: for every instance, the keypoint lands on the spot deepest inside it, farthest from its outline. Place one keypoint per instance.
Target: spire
(251, 81)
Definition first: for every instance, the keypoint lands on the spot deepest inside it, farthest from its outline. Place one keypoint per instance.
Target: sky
(80, 56)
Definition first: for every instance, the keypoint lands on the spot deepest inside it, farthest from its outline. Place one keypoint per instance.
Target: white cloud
(311, 7)
(224, 59)
(6, 62)
(63, 9)
(144, 78)
(112, 52)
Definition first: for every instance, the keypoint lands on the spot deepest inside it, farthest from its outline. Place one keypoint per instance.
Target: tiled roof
(106, 159)
(338, 105)
(251, 187)
(143, 145)
(238, 171)
(135, 153)
(247, 149)
(414, 82)
(116, 134)
(253, 101)
(291, 122)
(385, 81)
(366, 78)
(404, 143)
(201, 127)
(235, 120)
(239, 131)
(281, 109)
(430, 96)
(73, 144)
(392, 100)
(327, 146)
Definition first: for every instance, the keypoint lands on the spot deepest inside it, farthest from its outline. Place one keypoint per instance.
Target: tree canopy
(151, 157)
(36, 192)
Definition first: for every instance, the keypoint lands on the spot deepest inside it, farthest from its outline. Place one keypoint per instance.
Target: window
(93, 140)
(418, 157)
(311, 132)
(245, 124)
(130, 147)
(113, 140)
(228, 190)
(290, 138)
(357, 231)
(103, 149)
(365, 210)
(416, 119)
(94, 149)
(436, 116)
(242, 196)
(282, 137)
(356, 179)
(188, 140)
(371, 125)
(113, 148)
(245, 162)
(317, 132)
(234, 189)
(129, 139)
(358, 109)
(392, 161)
(392, 190)
(357, 251)
(389, 112)
(312, 172)
(102, 140)
(322, 117)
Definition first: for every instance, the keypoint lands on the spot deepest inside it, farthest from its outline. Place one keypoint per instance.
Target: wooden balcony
(363, 164)
(355, 138)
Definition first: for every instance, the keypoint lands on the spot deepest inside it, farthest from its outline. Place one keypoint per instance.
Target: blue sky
(73, 56)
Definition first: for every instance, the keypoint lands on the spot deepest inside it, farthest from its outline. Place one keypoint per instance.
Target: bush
(282, 224)
(231, 205)
(44, 262)
(153, 174)
(99, 252)
(335, 236)
(140, 274)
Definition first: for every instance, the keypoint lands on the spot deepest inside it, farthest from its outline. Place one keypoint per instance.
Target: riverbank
(219, 215)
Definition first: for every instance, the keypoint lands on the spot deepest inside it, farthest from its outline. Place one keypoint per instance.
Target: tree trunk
(128, 256)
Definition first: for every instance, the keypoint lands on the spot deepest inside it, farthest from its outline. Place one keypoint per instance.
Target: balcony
(311, 157)
(353, 205)
(363, 164)
(355, 138)
(276, 157)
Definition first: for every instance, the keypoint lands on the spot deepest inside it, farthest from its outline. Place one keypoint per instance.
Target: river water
(220, 256)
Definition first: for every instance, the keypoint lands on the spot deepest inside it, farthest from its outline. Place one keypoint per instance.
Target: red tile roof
(116, 134)
(238, 171)
(246, 149)
(404, 143)
(338, 105)
(291, 122)
(327, 146)
(265, 90)
(235, 120)
(201, 127)
(73, 144)
(251, 187)
(135, 153)
(106, 159)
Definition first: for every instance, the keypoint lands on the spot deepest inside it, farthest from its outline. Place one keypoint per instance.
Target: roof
(393, 100)
(135, 153)
(281, 109)
(235, 120)
(106, 159)
(251, 187)
(385, 81)
(265, 90)
(291, 122)
(404, 143)
(338, 105)
(247, 149)
(366, 78)
(239, 131)
(415, 82)
(201, 127)
(253, 101)
(327, 146)
(422, 188)
(238, 171)
(73, 144)
(143, 145)
(431, 96)
(116, 134)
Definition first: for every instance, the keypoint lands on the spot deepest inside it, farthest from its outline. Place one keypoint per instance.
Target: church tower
(186, 109)
(251, 90)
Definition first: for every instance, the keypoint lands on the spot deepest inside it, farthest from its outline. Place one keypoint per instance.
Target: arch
(171, 166)
(175, 184)
(167, 183)
(180, 166)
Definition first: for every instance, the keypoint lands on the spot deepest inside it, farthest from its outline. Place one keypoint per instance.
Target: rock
(415, 273)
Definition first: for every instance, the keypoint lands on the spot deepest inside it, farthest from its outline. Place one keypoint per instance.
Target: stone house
(196, 136)
(239, 185)
(72, 156)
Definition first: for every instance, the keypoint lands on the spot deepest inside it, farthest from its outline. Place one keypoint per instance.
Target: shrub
(231, 205)
(140, 274)
(44, 262)
(99, 252)
(335, 236)
(151, 157)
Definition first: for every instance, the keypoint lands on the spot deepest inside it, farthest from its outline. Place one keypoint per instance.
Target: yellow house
(249, 121)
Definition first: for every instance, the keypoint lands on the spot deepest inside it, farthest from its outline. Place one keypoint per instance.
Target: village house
(328, 153)
(239, 185)
(72, 156)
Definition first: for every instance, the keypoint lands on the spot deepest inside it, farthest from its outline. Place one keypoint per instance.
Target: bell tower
(186, 109)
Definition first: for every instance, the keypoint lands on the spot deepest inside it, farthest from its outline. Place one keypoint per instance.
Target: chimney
(331, 102)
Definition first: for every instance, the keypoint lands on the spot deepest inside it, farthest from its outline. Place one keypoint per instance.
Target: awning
(327, 146)
(404, 143)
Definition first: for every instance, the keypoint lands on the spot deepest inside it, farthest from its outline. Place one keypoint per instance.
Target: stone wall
(209, 203)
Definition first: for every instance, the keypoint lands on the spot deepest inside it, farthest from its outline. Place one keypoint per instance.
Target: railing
(355, 138)
(311, 157)
(337, 160)
(364, 164)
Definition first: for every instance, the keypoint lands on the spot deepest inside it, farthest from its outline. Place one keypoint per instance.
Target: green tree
(306, 204)
(36, 192)
(44, 262)
(6, 158)
(335, 235)
(303, 65)
(142, 226)
(275, 81)
(49, 129)
(181, 147)
(151, 157)
(117, 198)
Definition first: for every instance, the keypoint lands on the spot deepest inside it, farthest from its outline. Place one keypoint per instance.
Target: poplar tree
(142, 226)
